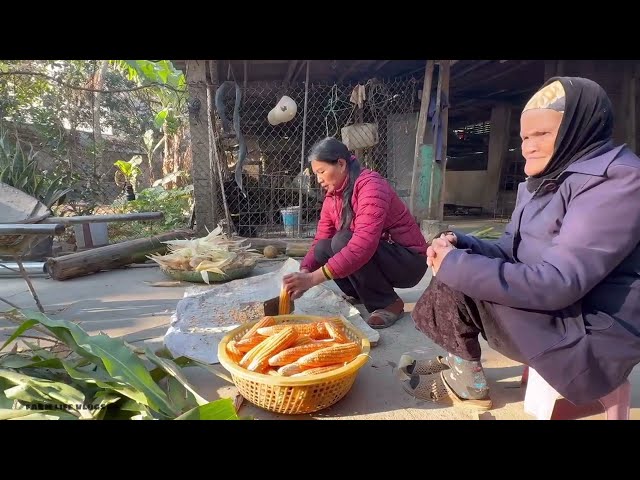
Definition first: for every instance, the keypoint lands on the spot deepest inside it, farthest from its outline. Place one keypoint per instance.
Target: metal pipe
(304, 138)
(30, 229)
(125, 217)
(11, 269)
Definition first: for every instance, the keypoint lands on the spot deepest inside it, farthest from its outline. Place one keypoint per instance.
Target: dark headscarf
(586, 127)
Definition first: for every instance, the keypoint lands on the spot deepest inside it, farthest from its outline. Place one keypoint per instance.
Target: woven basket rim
(350, 369)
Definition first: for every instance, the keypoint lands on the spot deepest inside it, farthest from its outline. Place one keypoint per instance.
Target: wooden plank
(110, 256)
(418, 200)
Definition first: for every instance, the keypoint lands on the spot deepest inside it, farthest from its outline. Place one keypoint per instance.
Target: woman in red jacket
(367, 241)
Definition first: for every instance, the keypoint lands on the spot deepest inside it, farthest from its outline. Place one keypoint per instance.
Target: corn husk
(214, 253)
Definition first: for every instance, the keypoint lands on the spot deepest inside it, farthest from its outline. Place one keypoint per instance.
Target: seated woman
(367, 241)
(560, 290)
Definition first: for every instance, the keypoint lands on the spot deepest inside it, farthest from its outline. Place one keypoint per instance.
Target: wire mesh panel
(280, 195)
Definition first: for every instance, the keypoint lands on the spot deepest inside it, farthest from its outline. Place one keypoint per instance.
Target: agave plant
(19, 169)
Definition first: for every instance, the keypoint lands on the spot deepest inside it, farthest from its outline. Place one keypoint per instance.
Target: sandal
(434, 388)
(388, 315)
(412, 366)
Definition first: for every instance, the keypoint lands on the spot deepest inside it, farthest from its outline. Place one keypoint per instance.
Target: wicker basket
(295, 395)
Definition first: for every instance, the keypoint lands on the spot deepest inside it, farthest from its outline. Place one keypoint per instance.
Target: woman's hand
(298, 283)
(437, 251)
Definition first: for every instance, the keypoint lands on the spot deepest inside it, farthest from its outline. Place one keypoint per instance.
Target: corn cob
(233, 352)
(292, 354)
(336, 332)
(344, 352)
(317, 370)
(285, 302)
(289, 370)
(309, 329)
(247, 344)
(265, 322)
(273, 372)
(302, 340)
(257, 358)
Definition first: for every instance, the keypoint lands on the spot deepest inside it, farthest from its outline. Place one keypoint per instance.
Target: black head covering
(586, 127)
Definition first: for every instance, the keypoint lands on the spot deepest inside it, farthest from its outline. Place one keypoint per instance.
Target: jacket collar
(598, 163)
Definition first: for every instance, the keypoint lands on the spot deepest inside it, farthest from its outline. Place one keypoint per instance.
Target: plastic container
(290, 219)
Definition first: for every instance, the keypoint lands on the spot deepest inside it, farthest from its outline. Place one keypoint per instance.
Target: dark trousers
(453, 321)
(392, 265)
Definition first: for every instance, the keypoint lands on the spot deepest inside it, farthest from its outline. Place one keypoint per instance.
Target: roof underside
(475, 85)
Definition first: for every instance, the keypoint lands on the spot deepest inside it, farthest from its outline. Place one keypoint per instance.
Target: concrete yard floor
(124, 303)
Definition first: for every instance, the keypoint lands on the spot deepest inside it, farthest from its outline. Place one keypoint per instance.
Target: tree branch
(74, 87)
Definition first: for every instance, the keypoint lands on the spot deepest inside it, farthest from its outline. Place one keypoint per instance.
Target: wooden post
(423, 155)
(436, 197)
(203, 183)
(498, 145)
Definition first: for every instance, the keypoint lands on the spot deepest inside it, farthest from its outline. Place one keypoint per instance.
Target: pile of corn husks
(213, 253)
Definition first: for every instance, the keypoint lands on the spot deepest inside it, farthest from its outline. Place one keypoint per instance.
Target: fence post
(205, 198)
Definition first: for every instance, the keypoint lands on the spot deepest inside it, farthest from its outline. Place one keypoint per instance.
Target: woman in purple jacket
(560, 290)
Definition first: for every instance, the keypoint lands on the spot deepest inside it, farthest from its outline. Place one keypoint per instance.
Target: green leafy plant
(176, 205)
(96, 377)
(19, 169)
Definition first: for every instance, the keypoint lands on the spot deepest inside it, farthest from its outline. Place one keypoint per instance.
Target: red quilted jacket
(378, 214)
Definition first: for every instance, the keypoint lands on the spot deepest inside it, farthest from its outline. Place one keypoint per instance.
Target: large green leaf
(222, 409)
(180, 397)
(173, 369)
(35, 390)
(118, 360)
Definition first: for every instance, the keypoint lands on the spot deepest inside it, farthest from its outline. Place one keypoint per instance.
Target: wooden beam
(204, 195)
(301, 65)
(351, 68)
(436, 197)
(290, 70)
(379, 65)
(498, 145)
(418, 200)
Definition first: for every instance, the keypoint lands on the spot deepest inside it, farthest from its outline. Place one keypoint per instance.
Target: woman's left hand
(298, 283)
(437, 251)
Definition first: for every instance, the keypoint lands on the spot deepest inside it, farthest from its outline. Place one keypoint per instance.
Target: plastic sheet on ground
(206, 314)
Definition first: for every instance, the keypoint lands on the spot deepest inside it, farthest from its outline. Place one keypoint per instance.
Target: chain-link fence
(281, 196)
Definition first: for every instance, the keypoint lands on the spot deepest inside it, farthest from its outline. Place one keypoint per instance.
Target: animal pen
(279, 194)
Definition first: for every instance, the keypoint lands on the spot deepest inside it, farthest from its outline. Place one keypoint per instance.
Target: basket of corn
(294, 364)
(214, 258)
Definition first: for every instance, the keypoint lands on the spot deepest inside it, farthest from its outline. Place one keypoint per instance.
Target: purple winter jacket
(563, 281)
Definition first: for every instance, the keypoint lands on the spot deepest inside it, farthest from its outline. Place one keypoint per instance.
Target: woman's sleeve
(599, 230)
(326, 229)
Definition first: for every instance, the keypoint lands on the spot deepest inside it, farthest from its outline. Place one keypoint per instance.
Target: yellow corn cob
(247, 344)
(342, 353)
(289, 370)
(268, 348)
(292, 354)
(317, 370)
(302, 340)
(273, 372)
(336, 332)
(265, 322)
(233, 352)
(285, 302)
(308, 329)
